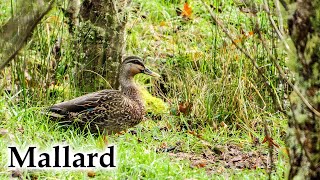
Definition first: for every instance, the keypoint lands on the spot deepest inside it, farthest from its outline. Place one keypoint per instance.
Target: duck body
(108, 111)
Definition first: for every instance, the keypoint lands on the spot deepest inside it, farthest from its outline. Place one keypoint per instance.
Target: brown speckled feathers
(108, 111)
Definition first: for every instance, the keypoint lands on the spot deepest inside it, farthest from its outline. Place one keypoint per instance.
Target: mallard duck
(109, 111)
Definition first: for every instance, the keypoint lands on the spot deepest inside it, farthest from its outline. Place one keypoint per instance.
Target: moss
(153, 105)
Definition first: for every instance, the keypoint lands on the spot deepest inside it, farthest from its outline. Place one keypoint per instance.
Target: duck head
(133, 65)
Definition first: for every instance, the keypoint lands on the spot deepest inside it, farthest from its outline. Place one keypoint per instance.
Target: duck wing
(85, 102)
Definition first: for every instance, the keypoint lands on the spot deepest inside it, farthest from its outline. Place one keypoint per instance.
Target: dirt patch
(225, 157)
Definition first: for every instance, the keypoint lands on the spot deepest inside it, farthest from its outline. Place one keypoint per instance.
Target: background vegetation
(213, 103)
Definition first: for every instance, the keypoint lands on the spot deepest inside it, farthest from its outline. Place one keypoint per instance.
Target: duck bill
(150, 73)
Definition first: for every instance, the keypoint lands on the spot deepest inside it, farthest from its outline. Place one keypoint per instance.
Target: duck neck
(129, 88)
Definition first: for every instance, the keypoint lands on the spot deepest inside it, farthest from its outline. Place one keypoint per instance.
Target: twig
(279, 33)
(282, 74)
(27, 34)
(220, 24)
(277, 4)
(253, 61)
(270, 148)
(284, 77)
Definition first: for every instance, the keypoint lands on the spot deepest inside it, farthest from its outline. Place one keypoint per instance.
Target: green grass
(201, 67)
(137, 154)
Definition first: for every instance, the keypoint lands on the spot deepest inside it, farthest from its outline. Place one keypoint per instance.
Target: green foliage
(154, 105)
(199, 65)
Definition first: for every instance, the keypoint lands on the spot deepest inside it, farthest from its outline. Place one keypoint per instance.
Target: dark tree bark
(304, 124)
(15, 33)
(101, 30)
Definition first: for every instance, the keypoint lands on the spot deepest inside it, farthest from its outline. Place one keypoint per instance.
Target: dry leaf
(195, 134)
(285, 150)
(270, 141)
(187, 11)
(91, 174)
(222, 124)
(236, 159)
(163, 145)
(201, 164)
(21, 130)
(16, 174)
(3, 131)
(184, 108)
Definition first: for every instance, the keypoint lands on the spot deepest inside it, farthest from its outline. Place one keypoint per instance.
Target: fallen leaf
(184, 108)
(270, 141)
(21, 130)
(284, 150)
(91, 174)
(239, 40)
(16, 174)
(187, 11)
(200, 164)
(222, 124)
(236, 159)
(120, 133)
(3, 131)
(195, 134)
(163, 145)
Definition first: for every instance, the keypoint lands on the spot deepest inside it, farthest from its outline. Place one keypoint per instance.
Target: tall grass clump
(200, 64)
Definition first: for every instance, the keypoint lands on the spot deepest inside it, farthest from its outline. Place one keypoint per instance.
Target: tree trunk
(101, 31)
(304, 125)
(15, 33)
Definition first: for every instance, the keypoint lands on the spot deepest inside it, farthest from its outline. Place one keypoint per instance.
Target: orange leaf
(187, 11)
(195, 134)
(201, 165)
(163, 145)
(91, 174)
(238, 40)
(184, 108)
(270, 141)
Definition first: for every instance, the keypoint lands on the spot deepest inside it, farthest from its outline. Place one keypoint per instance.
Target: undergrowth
(214, 95)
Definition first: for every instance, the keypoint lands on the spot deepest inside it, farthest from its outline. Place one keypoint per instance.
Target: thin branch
(221, 25)
(282, 74)
(279, 33)
(277, 5)
(266, 132)
(284, 77)
(253, 61)
(279, 68)
(28, 27)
